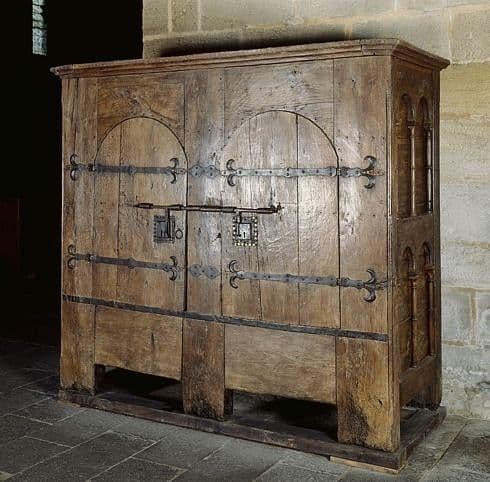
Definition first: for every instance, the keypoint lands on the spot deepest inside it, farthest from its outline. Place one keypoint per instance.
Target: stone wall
(456, 29)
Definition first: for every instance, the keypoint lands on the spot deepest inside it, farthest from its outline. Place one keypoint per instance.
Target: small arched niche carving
(405, 155)
(410, 278)
(429, 294)
(425, 165)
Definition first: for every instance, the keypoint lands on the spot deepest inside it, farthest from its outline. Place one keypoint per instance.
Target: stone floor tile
(15, 378)
(80, 427)
(471, 448)
(25, 452)
(49, 410)
(238, 460)
(361, 475)
(442, 473)
(282, 472)
(85, 460)
(48, 385)
(12, 427)
(18, 399)
(13, 347)
(146, 429)
(184, 447)
(5, 476)
(315, 463)
(138, 470)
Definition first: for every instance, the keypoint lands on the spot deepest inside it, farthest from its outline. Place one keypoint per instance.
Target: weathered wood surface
(279, 363)
(80, 138)
(314, 107)
(140, 342)
(282, 435)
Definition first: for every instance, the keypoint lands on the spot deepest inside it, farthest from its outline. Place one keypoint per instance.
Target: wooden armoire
(261, 221)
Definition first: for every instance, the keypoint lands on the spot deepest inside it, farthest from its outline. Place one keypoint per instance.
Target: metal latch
(164, 230)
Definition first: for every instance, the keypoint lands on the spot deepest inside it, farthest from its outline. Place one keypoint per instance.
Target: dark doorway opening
(30, 194)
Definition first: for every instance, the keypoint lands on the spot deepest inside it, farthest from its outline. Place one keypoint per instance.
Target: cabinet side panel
(79, 138)
(416, 249)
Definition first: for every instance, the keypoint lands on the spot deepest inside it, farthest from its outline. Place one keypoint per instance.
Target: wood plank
(306, 440)
(203, 343)
(366, 412)
(317, 228)
(296, 365)
(155, 96)
(360, 90)
(77, 369)
(417, 379)
(146, 142)
(204, 138)
(273, 144)
(203, 387)
(80, 138)
(273, 55)
(251, 91)
(141, 342)
(106, 218)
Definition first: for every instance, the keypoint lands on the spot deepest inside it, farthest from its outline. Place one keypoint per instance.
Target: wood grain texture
(203, 371)
(146, 142)
(77, 325)
(366, 411)
(141, 342)
(204, 138)
(279, 363)
(360, 90)
(159, 97)
(265, 56)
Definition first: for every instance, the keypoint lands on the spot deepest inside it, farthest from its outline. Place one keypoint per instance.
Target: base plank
(252, 428)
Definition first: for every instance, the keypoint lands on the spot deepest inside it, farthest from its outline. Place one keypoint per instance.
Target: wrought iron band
(371, 285)
(232, 172)
(130, 263)
(172, 170)
(209, 208)
(270, 325)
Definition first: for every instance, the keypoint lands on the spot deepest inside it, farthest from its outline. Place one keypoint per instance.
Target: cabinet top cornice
(273, 55)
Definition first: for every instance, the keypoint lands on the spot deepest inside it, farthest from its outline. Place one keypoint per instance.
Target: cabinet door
(139, 253)
(266, 131)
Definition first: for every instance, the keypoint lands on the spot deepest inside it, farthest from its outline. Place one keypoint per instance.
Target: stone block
(456, 315)
(155, 17)
(317, 9)
(427, 31)
(184, 15)
(466, 389)
(482, 328)
(232, 14)
(465, 212)
(464, 156)
(465, 265)
(465, 92)
(422, 5)
(470, 35)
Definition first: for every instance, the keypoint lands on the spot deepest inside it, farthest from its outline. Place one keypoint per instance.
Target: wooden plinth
(282, 422)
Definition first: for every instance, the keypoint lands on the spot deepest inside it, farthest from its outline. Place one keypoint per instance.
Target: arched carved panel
(132, 167)
(407, 299)
(287, 242)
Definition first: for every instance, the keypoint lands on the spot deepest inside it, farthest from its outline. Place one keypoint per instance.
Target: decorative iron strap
(172, 171)
(370, 285)
(130, 263)
(231, 172)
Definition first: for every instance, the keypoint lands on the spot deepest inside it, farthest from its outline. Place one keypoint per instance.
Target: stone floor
(44, 440)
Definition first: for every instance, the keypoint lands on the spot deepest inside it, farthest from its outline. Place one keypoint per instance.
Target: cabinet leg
(203, 374)
(366, 414)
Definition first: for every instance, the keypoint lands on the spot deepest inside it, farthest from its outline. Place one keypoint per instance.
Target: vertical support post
(413, 171)
(429, 167)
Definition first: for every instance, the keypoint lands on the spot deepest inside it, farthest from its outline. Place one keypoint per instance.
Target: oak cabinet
(264, 221)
